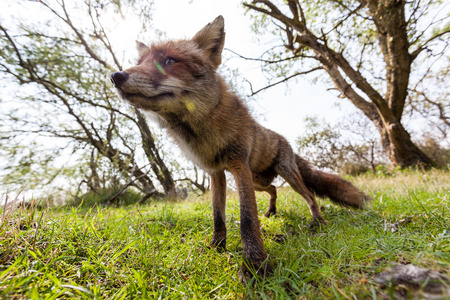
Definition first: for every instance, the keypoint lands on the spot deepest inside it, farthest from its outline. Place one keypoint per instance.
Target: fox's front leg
(252, 242)
(218, 191)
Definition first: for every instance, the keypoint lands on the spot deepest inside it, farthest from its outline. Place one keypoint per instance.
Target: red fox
(176, 83)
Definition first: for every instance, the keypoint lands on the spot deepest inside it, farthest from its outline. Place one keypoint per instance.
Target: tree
(368, 48)
(59, 70)
(351, 146)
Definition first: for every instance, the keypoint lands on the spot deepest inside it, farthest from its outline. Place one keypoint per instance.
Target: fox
(176, 83)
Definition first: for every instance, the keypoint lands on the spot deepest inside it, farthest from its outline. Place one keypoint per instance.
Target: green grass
(158, 250)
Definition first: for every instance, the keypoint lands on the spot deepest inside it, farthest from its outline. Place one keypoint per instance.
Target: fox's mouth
(152, 98)
(131, 96)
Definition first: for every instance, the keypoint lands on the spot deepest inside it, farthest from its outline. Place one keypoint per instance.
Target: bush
(107, 197)
(343, 148)
(435, 150)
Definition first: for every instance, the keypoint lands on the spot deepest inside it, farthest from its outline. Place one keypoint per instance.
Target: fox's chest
(200, 148)
(210, 144)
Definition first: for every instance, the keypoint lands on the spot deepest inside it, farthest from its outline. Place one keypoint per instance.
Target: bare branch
(269, 61)
(12, 42)
(103, 37)
(422, 47)
(283, 80)
(66, 18)
(346, 17)
(125, 187)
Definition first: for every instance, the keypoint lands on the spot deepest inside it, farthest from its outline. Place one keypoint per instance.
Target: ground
(160, 249)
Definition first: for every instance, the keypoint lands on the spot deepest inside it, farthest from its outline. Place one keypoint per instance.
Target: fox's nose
(118, 78)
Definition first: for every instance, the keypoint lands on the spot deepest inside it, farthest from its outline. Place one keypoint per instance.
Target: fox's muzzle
(118, 78)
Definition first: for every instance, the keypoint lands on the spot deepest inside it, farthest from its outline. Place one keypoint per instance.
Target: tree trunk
(395, 139)
(94, 179)
(402, 151)
(156, 163)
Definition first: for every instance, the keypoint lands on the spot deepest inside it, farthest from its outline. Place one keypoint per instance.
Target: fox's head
(175, 77)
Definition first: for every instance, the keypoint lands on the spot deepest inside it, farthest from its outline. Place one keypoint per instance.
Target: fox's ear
(141, 48)
(211, 38)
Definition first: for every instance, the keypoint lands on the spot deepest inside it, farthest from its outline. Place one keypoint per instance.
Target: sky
(282, 108)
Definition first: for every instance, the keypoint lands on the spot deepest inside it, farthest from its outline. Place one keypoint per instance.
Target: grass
(158, 250)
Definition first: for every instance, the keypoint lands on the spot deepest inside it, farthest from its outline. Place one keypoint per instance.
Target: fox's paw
(317, 222)
(270, 212)
(220, 244)
(249, 269)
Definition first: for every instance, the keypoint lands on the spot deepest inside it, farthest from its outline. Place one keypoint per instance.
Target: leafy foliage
(349, 147)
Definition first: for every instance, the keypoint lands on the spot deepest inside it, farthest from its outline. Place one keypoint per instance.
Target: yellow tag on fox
(190, 105)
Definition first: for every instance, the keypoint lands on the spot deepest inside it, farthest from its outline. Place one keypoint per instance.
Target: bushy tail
(339, 190)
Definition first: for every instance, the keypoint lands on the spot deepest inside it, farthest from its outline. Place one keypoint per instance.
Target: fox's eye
(170, 61)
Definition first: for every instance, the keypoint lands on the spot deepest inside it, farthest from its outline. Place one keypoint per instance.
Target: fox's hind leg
(272, 191)
(287, 168)
(263, 183)
(292, 176)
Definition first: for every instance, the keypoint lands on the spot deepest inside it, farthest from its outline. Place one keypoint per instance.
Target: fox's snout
(119, 78)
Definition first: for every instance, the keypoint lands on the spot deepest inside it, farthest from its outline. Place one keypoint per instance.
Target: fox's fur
(176, 83)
